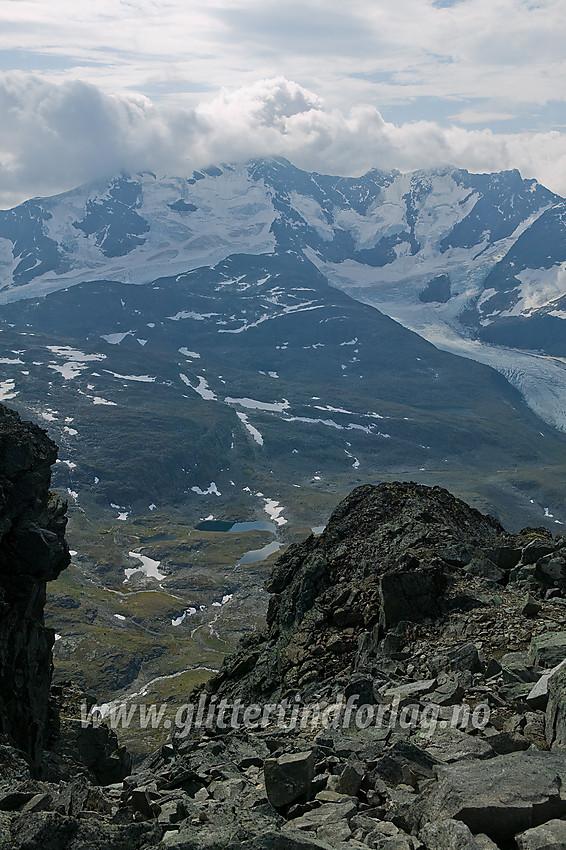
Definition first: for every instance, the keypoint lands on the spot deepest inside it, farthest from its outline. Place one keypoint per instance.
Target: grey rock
(523, 574)
(548, 836)
(334, 797)
(410, 689)
(43, 831)
(452, 745)
(72, 797)
(333, 833)
(290, 839)
(42, 802)
(482, 566)
(499, 797)
(406, 764)
(448, 835)
(555, 719)
(410, 595)
(141, 802)
(535, 550)
(378, 839)
(99, 750)
(289, 778)
(11, 801)
(537, 698)
(493, 668)
(530, 607)
(484, 842)
(33, 551)
(328, 813)
(552, 569)
(224, 828)
(449, 693)
(504, 743)
(350, 779)
(548, 650)
(465, 657)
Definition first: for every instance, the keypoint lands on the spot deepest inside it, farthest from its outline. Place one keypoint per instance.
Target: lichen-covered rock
(33, 551)
(499, 797)
(549, 836)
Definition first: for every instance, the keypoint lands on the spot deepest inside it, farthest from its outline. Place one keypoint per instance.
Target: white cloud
(57, 136)
(395, 49)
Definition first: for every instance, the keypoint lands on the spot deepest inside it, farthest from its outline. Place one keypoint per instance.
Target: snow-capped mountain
(498, 242)
(207, 353)
(475, 263)
(233, 264)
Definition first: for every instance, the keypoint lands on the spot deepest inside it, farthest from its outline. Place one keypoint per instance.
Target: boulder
(452, 745)
(530, 607)
(555, 720)
(328, 813)
(43, 831)
(535, 550)
(547, 650)
(448, 835)
(406, 764)
(499, 797)
(537, 698)
(549, 836)
(288, 778)
(350, 779)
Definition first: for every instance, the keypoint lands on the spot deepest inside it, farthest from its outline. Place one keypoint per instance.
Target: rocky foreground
(408, 691)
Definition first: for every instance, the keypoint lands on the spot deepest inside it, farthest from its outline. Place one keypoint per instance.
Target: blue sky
(87, 89)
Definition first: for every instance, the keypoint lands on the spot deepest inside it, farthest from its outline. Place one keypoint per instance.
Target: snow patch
(212, 489)
(190, 314)
(249, 427)
(274, 510)
(116, 338)
(276, 407)
(202, 389)
(188, 612)
(144, 379)
(149, 567)
(98, 400)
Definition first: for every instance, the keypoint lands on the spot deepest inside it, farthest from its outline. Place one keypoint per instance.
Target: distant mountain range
(463, 259)
(493, 244)
(209, 348)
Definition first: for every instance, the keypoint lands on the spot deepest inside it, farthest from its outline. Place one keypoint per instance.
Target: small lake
(255, 555)
(219, 525)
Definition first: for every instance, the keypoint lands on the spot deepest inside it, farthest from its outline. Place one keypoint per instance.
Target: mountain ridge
(498, 240)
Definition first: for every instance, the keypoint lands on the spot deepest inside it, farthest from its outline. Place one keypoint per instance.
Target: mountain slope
(262, 364)
(474, 263)
(213, 412)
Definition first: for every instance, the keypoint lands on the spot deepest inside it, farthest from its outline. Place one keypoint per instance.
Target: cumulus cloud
(55, 136)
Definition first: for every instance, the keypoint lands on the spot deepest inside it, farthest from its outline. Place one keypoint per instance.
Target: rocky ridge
(410, 605)
(33, 551)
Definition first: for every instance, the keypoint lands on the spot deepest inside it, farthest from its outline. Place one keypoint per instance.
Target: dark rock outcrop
(384, 558)
(33, 551)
